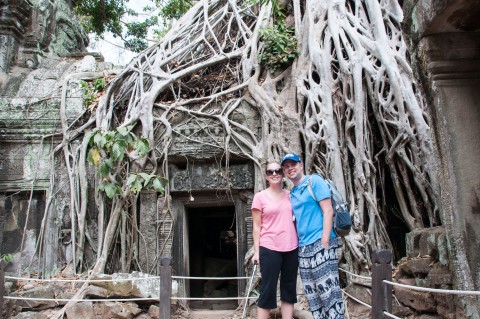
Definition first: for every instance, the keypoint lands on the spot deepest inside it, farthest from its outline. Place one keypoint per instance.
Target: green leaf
(117, 151)
(136, 186)
(94, 133)
(99, 84)
(146, 177)
(104, 169)
(123, 130)
(7, 258)
(132, 178)
(100, 140)
(111, 190)
(159, 185)
(142, 146)
(109, 163)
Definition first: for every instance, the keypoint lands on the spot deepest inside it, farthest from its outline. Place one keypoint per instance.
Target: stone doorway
(212, 246)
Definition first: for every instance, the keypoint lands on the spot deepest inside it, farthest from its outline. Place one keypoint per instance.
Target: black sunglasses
(277, 171)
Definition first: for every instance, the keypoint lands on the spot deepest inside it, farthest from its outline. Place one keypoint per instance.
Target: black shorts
(272, 265)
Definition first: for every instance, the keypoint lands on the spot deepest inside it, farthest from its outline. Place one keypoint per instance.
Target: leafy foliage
(280, 46)
(101, 16)
(174, 9)
(111, 153)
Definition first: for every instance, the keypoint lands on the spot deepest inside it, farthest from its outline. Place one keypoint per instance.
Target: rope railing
(354, 275)
(82, 280)
(164, 290)
(356, 299)
(381, 282)
(434, 290)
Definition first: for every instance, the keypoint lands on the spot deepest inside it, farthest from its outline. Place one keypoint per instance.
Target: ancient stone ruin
(43, 61)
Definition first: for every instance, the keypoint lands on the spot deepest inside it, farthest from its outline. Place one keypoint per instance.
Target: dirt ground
(354, 311)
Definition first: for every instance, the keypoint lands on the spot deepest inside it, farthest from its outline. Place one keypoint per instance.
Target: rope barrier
(206, 298)
(390, 315)
(368, 306)
(121, 279)
(355, 275)
(124, 299)
(357, 300)
(77, 300)
(210, 278)
(444, 291)
(81, 280)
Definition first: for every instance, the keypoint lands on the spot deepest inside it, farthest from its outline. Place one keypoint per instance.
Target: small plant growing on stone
(92, 91)
(6, 258)
(280, 46)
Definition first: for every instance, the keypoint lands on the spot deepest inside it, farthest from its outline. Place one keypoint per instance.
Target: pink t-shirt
(277, 230)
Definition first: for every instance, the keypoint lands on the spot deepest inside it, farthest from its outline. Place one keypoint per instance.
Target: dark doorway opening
(212, 238)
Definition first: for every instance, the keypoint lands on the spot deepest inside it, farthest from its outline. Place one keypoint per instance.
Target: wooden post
(381, 293)
(165, 287)
(2, 286)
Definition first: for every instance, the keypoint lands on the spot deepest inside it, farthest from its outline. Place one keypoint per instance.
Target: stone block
(80, 310)
(442, 249)
(412, 243)
(446, 306)
(419, 266)
(418, 300)
(429, 316)
(46, 292)
(428, 241)
(439, 275)
(120, 310)
(30, 315)
(154, 312)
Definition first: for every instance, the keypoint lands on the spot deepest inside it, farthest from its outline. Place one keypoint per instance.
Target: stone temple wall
(41, 47)
(445, 46)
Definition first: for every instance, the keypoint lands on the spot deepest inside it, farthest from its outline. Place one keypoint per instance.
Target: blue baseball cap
(291, 157)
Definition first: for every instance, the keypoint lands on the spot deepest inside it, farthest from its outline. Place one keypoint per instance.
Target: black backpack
(342, 221)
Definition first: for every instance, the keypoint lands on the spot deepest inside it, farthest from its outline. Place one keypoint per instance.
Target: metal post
(165, 287)
(2, 286)
(381, 293)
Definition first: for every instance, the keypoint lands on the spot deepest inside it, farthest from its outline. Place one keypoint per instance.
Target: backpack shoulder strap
(336, 195)
(310, 188)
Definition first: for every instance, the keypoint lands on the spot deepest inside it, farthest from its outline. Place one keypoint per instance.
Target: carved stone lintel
(209, 176)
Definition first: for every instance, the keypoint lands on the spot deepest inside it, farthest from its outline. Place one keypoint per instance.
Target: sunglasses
(277, 171)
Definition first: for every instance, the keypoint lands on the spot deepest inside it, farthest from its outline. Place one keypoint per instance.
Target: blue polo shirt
(308, 214)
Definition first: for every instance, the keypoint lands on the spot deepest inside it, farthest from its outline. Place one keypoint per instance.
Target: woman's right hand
(255, 259)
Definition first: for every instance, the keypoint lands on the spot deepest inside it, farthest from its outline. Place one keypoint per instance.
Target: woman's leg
(287, 310)
(270, 263)
(288, 283)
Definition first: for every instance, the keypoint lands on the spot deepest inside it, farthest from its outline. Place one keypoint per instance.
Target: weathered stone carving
(199, 177)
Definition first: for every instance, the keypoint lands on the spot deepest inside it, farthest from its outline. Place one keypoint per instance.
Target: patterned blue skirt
(319, 273)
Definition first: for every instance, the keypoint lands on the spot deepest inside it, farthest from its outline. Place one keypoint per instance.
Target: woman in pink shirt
(275, 245)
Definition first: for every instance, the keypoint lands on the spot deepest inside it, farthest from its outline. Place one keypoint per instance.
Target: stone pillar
(451, 62)
(14, 21)
(147, 252)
